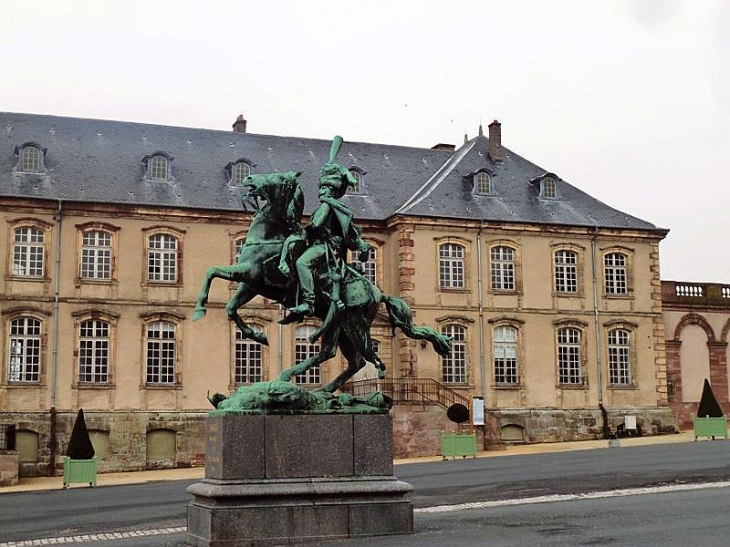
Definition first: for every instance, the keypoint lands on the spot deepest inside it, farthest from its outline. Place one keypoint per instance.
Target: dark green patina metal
(305, 269)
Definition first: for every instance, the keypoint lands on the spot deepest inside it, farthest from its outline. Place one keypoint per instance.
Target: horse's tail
(400, 316)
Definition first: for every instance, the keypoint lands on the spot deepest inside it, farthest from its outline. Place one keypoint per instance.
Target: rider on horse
(331, 232)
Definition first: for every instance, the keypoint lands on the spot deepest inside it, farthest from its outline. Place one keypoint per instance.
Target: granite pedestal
(277, 480)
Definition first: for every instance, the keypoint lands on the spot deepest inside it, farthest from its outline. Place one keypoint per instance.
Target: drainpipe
(596, 318)
(54, 357)
(482, 362)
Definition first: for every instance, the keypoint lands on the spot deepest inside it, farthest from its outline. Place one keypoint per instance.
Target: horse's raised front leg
(243, 295)
(230, 273)
(328, 350)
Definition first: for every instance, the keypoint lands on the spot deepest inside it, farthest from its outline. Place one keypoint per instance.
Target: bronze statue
(326, 286)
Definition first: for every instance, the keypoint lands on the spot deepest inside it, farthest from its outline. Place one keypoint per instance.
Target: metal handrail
(408, 390)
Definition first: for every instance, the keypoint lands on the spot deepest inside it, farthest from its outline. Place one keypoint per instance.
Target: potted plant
(710, 420)
(79, 464)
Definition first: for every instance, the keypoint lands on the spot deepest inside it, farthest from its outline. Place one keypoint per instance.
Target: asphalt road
(666, 519)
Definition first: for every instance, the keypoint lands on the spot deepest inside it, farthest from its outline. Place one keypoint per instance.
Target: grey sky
(628, 100)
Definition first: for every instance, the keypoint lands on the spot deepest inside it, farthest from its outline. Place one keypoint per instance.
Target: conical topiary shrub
(80, 447)
(708, 404)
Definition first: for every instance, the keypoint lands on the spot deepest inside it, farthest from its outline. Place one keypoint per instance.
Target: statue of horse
(257, 272)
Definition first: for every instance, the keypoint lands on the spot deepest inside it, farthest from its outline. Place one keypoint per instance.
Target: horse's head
(272, 187)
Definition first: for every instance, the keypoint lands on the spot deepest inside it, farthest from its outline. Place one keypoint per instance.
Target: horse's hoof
(199, 313)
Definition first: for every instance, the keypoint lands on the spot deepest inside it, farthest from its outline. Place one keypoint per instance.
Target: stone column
(660, 358)
(406, 284)
(718, 373)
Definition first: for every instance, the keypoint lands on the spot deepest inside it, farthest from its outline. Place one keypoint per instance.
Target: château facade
(552, 298)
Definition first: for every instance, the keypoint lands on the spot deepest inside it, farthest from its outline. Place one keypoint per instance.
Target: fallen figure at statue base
(279, 397)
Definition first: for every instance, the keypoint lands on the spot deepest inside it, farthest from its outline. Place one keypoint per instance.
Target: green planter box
(79, 471)
(453, 445)
(710, 427)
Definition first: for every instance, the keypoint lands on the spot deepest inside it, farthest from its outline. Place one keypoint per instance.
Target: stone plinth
(273, 480)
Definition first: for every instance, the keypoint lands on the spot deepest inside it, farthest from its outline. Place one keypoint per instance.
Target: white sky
(627, 99)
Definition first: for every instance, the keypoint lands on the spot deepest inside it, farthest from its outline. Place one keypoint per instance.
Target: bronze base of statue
(277, 479)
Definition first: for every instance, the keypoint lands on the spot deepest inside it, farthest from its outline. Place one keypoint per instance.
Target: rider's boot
(297, 313)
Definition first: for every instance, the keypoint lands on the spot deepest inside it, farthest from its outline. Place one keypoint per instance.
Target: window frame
(176, 323)
(168, 231)
(46, 230)
(300, 338)
(152, 164)
(10, 315)
(578, 267)
(517, 326)
(231, 170)
(21, 152)
(582, 357)
(628, 255)
(372, 268)
(85, 316)
(458, 359)
(359, 175)
(258, 323)
(453, 262)
(24, 377)
(629, 374)
(97, 227)
(478, 182)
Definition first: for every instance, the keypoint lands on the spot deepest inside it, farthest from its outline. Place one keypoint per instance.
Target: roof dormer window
(547, 184)
(238, 170)
(483, 183)
(158, 167)
(549, 188)
(357, 186)
(31, 158)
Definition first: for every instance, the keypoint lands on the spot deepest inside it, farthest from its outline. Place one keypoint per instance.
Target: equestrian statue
(305, 268)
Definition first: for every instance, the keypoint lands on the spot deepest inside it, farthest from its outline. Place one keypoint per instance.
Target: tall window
(94, 351)
(241, 170)
(31, 161)
(28, 252)
(505, 355)
(158, 168)
(25, 350)
(569, 356)
(303, 350)
(161, 350)
(454, 365)
(96, 255)
(619, 357)
(248, 359)
(566, 271)
(615, 271)
(549, 188)
(503, 269)
(370, 267)
(162, 258)
(239, 247)
(483, 183)
(451, 266)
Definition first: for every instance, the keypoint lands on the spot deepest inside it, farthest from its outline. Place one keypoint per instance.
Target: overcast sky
(628, 100)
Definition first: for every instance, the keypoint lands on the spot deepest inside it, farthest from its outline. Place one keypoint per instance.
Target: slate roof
(101, 161)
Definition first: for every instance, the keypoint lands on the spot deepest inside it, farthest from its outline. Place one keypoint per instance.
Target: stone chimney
(495, 141)
(240, 125)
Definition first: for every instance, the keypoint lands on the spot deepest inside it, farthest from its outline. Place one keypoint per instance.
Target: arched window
(619, 357)
(566, 271)
(248, 359)
(158, 168)
(162, 258)
(548, 188)
(454, 365)
(483, 183)
(29, 252)
(94, 351)
(161, 352)
(506, 367)
(303, 350)
(569, 356)
(503, 268)
(96, 255)
(24, 362)
(451, 266)
(240, 171)
(615, 269)
(31, 160)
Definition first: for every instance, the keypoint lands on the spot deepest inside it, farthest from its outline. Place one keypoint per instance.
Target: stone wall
(8, 467)
(417, 429)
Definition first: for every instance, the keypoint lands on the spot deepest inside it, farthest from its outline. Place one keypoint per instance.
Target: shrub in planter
(708, 404)
(710, 420)
(80, 463)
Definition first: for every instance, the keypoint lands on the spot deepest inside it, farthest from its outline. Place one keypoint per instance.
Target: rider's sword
(335, 148)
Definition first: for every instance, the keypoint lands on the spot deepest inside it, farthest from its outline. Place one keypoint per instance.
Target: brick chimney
(240, 125)
(495, 141)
